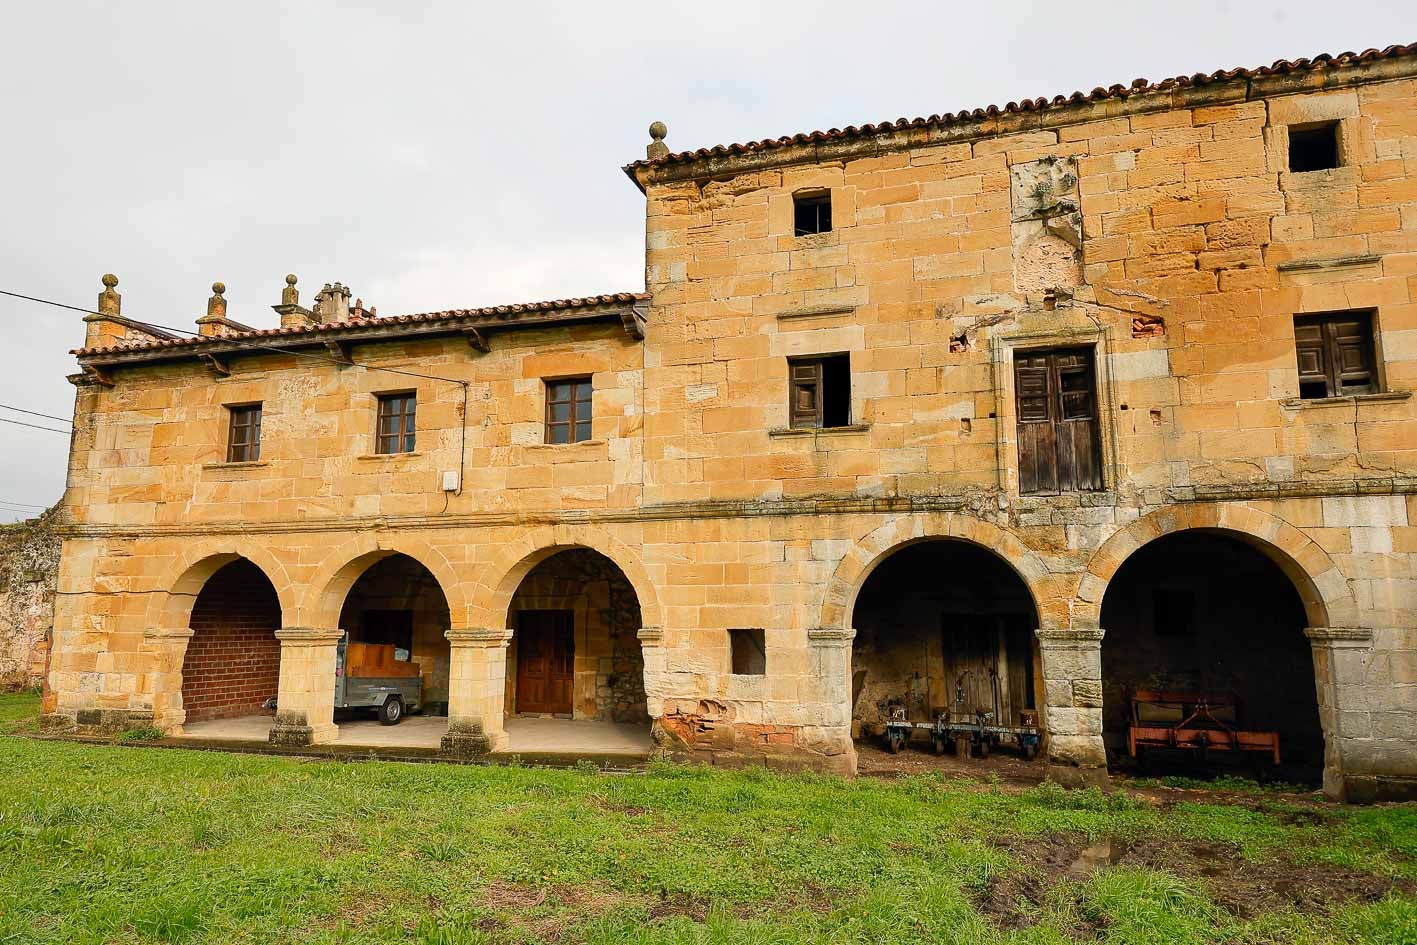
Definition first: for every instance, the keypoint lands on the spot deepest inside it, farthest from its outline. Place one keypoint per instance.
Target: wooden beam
(99, 374)
(633, 318)
(216, 365)
(476, 341)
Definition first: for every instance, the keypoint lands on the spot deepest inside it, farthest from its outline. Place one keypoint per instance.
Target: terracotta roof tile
(507, 312)
(1137, 87)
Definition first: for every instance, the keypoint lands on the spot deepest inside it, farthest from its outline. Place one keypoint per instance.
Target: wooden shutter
(1352, 346)
(1313, 366)
(1335, 354)
(1059, 446)
(805, 393)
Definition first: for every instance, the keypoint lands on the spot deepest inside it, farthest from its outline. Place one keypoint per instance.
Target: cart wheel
(895, 742)
(391, 712)
(1030, 750)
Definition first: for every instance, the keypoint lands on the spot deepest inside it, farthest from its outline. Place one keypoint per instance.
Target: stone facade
(29, 566)
(1158, 229)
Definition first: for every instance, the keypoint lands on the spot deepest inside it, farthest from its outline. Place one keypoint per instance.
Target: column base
(1071, 776)
(295, 733)
(472, 742)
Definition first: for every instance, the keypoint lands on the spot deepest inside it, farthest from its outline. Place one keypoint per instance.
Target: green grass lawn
(130, 844)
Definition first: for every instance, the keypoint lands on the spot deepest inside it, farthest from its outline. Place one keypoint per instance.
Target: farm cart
(1198, 722)
(979, 734)
(377, 676)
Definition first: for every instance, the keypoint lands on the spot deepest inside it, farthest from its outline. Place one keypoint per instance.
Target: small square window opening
(1313, 147)
(819, 392)
(395, 430)
(812, 213)
(1336, 354)
(748, 652)
(243, 441)
(568, 404)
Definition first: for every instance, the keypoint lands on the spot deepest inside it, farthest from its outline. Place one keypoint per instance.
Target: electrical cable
(35, 413)
(35, 426)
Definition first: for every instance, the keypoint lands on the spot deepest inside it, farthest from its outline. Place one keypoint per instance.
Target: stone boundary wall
(29, 570)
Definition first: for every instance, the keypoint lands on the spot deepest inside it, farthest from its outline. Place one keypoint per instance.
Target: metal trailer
(1195, 722)
(978, 735)
(390, 696)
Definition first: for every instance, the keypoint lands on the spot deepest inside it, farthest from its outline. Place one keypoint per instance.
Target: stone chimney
(103, 331)
(332, 304)
(210, 324)
(290, 312)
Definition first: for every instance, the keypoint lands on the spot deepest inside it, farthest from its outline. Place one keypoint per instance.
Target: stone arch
(1324, 589)
(499, 579)
(871, 551)
(189, 573)
(344, 566)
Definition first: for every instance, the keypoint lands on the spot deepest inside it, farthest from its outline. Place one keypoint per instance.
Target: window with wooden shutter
(819, 391)
(243, 441)
(1059, 446)
(1335, 354)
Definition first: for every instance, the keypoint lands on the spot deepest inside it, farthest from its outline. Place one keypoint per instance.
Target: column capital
(478, 636)
(308, 636)
(1069, 636)
(1345, 638)
(168, 633)
(830, 636)
(650, 636)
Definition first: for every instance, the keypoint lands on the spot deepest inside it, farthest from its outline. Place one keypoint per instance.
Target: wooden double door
(546, 650)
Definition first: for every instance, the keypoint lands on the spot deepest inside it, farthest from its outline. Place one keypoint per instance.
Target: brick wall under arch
(232, 663)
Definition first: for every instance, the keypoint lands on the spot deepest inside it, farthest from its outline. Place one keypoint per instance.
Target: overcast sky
(441, 155)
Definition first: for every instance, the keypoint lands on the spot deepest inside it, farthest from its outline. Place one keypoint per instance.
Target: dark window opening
(388, 628)
(1335, 354)
(568, 410)
(812, 213)
(1173, 612)
(1313, 148)
(243, 442)
(748, 652)
(819, 391)
(1059, 444)
(395, 430)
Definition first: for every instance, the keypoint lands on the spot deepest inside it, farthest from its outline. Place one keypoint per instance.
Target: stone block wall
(29, 568)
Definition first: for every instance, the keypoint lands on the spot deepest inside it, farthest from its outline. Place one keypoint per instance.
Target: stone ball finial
(110, 280)
(657, 130)
(218, 287)
(290, 279)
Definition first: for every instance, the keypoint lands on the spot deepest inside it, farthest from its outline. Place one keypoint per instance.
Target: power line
(30, 504)
(33, 413)
(34, 426)
(228, 339)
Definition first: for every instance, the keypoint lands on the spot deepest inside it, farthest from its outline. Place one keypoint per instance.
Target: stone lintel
(1346, 638)
(1069, 637)
(308, 636)
(650, 636)
(478, 636)
(830, 636)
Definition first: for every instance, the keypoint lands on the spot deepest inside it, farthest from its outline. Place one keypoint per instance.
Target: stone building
(1032, 406)
(29, 567)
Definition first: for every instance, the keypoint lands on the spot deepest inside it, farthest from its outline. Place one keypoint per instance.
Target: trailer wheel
(391, 712)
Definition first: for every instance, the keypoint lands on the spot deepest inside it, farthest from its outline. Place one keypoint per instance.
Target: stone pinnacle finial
(109, 301)
(290, 295)
(216, 305)
(657, 148)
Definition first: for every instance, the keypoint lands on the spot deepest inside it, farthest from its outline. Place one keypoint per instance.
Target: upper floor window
(1313, 147)
(243, 441)
(1059, 445)
(1335, 353)
(395, 430)
(811, 213)
(819, 391)
(568, 410)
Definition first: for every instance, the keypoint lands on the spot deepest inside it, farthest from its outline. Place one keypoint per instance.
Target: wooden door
(1059, 449)
(545, 654)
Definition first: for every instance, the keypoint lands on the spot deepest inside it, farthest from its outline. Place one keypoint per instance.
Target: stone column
(656, 661)
(162, 683)
(477, 691)
(305, 707)
(1072, 705)
(1340, 677)
(829, 655)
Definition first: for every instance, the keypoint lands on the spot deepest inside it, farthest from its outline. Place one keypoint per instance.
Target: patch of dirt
(679, 903)
(630, 810)
(1009, 767)
(1013, 899)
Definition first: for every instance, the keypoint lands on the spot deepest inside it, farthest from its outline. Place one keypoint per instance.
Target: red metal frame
(1199, 729)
